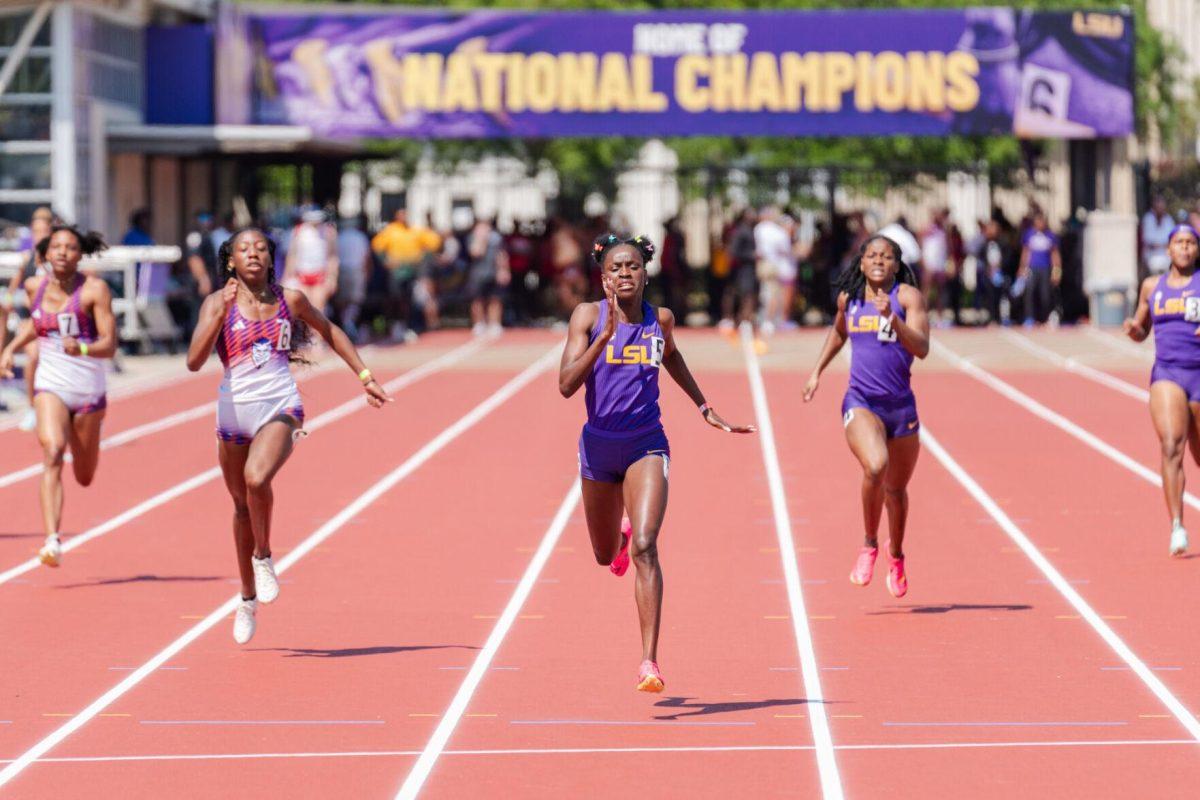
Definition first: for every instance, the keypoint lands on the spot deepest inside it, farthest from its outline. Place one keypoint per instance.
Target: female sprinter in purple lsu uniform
(71, 318)
(883, 315)
(257, 327)
(1171, 304)
(615, 348)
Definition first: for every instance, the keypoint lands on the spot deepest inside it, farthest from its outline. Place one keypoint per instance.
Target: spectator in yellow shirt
(406, 253)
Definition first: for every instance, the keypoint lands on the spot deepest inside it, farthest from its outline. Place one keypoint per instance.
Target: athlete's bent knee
(1172, 448)
(875, 469)
(53, 453)
(644, 548)
(257, 480)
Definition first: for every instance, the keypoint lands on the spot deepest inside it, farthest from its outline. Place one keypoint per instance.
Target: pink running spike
(864, 567)
(897, 581)
(621, 563)
(649, 678)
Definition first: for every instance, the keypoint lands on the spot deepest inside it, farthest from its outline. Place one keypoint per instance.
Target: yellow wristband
(365, 376)
(83, 348)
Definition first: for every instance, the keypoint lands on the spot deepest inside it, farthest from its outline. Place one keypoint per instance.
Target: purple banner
(795, 73)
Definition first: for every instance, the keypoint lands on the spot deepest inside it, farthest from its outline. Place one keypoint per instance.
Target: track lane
(186, 567)
(725, 627)
(385, 604)
(988, 624)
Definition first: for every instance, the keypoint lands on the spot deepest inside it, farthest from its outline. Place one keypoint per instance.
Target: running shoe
(51, 552)
(864, 567)
(1179, 540)
(28, 420)
(649, 678)
(621, 563)
(897, 581)
(266, 585)
(244, 622)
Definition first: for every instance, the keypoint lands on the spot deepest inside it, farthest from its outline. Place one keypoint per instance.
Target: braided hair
(90, 242)
(301, 333)
(607, 241)
(853, 282)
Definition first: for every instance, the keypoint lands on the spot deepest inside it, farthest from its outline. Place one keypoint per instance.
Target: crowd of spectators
(764, 267)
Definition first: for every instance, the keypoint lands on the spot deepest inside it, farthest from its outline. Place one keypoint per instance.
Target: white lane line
(1058, 420)
(149, 428)
(1119, 342)
(1060, 583)
(750, 748)
(313, 540)
(262, 722)
(454, 712)
(1071, 365)
(132, 389)
(831, 783)
(167, 495)
(621, 722)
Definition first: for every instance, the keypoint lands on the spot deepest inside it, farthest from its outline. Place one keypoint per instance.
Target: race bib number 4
(886, 332)
(68, 323)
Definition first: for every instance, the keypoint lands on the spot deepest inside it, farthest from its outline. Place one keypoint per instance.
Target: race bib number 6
(284, 342)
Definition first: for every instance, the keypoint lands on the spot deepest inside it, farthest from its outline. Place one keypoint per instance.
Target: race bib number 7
(68, 324)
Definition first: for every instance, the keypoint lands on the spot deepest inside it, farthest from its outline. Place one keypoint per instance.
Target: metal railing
(129, 307)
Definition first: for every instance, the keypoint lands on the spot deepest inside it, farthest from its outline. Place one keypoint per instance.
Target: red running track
(981, 682)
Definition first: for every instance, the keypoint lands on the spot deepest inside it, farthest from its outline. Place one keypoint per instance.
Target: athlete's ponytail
(90, 242)
(607, 241)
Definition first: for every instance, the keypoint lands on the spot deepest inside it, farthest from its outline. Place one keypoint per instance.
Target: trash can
(1109, 265)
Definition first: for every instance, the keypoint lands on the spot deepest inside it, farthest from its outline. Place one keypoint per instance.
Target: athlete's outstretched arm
(337, 339)
(834, 343)
(208, 327)
(679, 372)
(1138, 326)
(578, 356)
(912, 332)
(105, 345)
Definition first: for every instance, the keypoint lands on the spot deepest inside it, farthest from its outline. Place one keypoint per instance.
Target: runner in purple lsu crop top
(882, 314)
(615, 349)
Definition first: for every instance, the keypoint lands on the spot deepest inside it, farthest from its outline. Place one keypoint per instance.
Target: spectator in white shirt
(776, 266)
(1156, 228)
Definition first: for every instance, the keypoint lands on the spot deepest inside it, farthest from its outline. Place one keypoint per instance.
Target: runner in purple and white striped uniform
(258, 328)
(71, 318)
